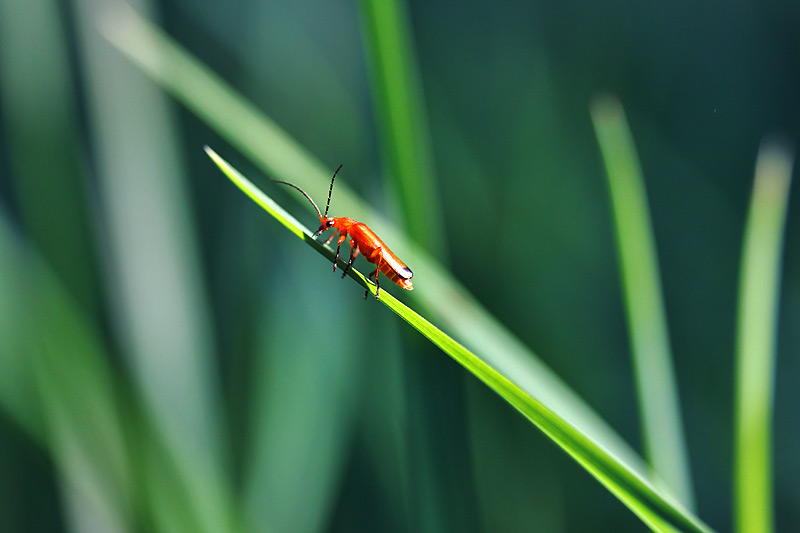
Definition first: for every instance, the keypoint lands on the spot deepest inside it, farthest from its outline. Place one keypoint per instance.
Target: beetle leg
(377, 257)
(378, 273)
(338, 245)
(330, 239)
(353, 255)
(366, 292)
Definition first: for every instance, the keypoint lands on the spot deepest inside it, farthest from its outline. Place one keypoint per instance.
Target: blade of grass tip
(655, 509)
(405, 139)
(270, 206)
(202, 91)
(652, 360)
(759, 284)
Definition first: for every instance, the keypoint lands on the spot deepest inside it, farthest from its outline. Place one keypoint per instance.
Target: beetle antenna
(330, 191)
(304, 194)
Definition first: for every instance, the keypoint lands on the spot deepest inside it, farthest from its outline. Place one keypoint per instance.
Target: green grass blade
(56, 383)
(644, 500)
(37, 106)
(213, 100)
(442, 296)
(38, 113)
(163, 318)
(755, 340)
(84, 430)
(405, 139)
(302, 450)
(652, 360)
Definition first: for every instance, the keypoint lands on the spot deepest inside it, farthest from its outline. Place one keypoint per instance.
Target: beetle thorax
(343, 223)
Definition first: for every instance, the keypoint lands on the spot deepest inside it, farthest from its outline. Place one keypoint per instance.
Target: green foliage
(756, 339)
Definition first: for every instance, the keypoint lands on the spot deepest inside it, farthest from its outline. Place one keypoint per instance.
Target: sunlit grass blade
(405, 140)
(652, 360)
(645, 501)
(759, 284)
(279, 155)
(271, 207)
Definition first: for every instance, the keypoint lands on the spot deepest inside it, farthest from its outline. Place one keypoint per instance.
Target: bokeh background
(174, 360)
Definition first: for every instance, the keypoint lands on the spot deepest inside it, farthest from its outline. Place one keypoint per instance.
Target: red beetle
(363, 240)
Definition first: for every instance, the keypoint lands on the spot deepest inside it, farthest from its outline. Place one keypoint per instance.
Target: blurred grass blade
(84, 430)
(303, 450)
(652, 360)
(279, 155)
(440, 495)
(162, 316)
(210, 98)
(37, 108)
(755, 340)
(405, 139)
(645, 501)
(37, 104)
(56, 383)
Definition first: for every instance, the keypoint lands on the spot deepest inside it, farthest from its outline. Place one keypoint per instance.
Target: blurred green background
(171, 359)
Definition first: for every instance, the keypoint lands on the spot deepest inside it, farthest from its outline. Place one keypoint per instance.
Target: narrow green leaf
(641, 282)
(645, 501)
(755, 340)
(56, 383)
(163, 318)
(37, 107)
